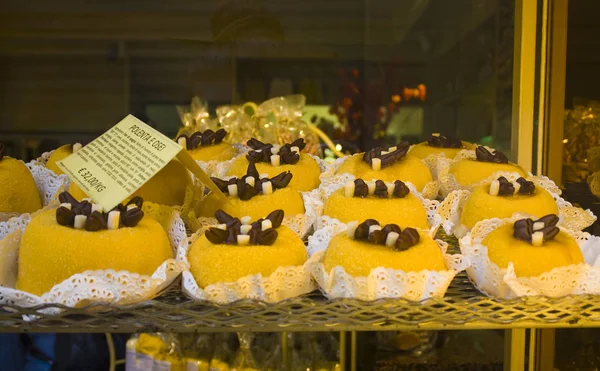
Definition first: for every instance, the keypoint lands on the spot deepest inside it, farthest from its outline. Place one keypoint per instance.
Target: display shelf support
(514, 349)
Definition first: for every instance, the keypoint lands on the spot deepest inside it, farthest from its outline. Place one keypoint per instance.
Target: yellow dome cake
(273, 159)
(167, 187)
(19, 192)
(60, 154)
(389, 165)
(534, 247)
(208, 145)
(254, 195)
(80, 236)
(389, 203)
(470, 171)
(238, 248)
(439, 145)
(501, 199)
(368, 245)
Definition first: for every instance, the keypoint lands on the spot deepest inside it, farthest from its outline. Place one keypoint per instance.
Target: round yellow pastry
(527, 259)
(481, 205)
(216, 152)
(423, 150)
(19, 193)
(210, 263)
(306, 171)
(58, 155)
(405, 212)
(359, 257)
(408, 169)
(167, 187)
(51, 253)
(259, 206)
(470, 171)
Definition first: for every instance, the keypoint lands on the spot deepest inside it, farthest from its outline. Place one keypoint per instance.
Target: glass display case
(515, 75)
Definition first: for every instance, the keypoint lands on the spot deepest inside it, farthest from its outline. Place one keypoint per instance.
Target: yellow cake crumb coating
(527, 259)
(217, 152)
(469, 171)
(405, 212)
(58, 155)
(408, 169)
(358, 257)
(51, 253)
(287, 199)
(19, 192)
(423, 150)
(167, 187)
(210, 263)
(306, 171)
(481, 205)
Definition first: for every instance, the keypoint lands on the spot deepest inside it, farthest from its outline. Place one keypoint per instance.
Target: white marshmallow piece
(494, 188)
(538, 226)
(67, 206)
(517, 186)
(243, 239)
(258, 150)
(246, 220)
(233, 190)
(390, 189)
(250, 180)
(131, 207)
(221, 226)
(267, 188)
(537, 238)
(77, 147)
(275, 160)
(371, 186)
(113, 219)
(263, 176)
(182, 142)
(376, 164)
(385, 152)
(392, 149)
(98, 208)
(295, 149)
(435, 134)
(266, 224)
(391, 239)
(80, 221)
(351, 228)
(349, 189)
(245, 229)
(374, 228)
(275, 149)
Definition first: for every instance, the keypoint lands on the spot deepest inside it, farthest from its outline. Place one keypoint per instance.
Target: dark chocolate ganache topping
(484, 155)
(381, 157)
(92, 218)
(234, 231)
(443, 141)
(203, 138)
(253, 184)
(390, 235)
(288, 154)
(503, 187)
(378, 188)
(538, 231)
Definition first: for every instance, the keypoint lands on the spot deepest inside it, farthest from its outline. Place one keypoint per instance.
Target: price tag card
(117, 163)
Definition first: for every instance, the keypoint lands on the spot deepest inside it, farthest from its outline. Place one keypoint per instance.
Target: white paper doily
(492, 280)
(381, 282)
(212, 168)
(284, 283)
(571, 217)
(333, 184)
(100, 286)
(330, 176)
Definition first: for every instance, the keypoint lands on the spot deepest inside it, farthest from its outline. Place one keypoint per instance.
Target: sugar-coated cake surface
(51, 253)
(531, 260)
(359, 257)
(469, 171)
(216, 152)
(423, 150)
(60, 154)
(19, 192)
(212, 263)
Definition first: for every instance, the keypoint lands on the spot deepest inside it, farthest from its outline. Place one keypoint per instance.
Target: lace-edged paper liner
(381, 282)
(433, 219)
(503, 283)
(301, 224)
(284, 283)
(212, 168)
(571, 217)
(330, 177)
(448, 182)
(100, 286)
